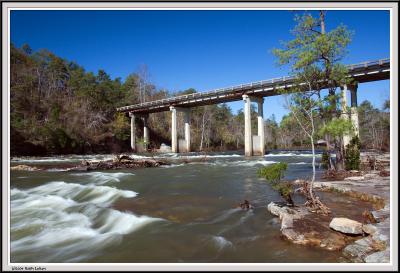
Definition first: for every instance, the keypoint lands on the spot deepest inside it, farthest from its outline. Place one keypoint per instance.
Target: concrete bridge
(255, 91)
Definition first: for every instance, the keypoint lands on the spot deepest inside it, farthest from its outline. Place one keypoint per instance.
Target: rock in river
(346, 226)
(24, 168)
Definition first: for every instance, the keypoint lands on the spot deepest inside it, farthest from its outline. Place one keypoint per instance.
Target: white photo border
(8, 6)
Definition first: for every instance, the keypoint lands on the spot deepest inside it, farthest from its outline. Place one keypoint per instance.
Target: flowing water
(185, 212)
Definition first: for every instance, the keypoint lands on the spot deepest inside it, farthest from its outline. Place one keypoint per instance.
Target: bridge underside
(254, 144)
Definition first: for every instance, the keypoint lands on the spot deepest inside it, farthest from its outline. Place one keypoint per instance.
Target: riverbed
(185, 212)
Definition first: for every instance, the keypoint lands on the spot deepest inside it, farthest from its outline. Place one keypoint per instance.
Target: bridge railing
(242, 87)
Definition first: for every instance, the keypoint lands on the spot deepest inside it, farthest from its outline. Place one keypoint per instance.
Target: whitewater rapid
(71, 221)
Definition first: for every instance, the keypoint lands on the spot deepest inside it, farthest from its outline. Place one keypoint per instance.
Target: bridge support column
(248, 138)
(187, 129)
(353, 109)
(146, 139)
(174, 131)
(133, 132)
(260, 120)
(345, 112)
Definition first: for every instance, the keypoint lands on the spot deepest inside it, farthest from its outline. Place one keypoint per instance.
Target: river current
(185, 212)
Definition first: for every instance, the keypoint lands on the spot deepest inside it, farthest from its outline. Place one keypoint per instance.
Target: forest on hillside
(56, 107)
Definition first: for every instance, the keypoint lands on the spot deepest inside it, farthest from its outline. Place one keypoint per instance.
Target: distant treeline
(59, 108)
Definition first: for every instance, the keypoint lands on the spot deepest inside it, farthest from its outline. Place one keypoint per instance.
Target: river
(185, 212)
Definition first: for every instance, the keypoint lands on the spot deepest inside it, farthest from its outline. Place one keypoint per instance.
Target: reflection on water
(180, 213)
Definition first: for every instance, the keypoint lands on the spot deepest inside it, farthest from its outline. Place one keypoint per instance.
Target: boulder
(346, 226)
(300, 229)
(358, 250)
(369, 228)
(279, 210)
(378, 257)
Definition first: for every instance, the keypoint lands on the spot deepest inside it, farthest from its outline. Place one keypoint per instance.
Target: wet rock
(369, 228)
(299, 227)
(359, 249)
(279, 210)
(346, 226)
(374, 248)
(24, 168)
(287, 221)
(378, 257)
(382, 214)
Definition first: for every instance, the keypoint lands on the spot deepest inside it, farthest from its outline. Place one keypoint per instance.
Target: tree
(374, 126)
(314, 57)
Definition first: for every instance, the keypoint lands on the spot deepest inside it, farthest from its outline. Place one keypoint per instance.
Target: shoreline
(371, 245)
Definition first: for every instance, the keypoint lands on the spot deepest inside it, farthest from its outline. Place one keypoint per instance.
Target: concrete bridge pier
(187, 129)
(133, 131)
(253, 145)
(174, 130)
(353, 109)
(345, 112)
(261, 129)
(353, 113)
(146, 138)
(248, 137)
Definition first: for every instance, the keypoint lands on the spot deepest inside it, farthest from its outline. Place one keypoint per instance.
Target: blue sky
(199, 49)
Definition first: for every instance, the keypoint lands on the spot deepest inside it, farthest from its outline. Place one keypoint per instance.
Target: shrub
(352, 154)
(274, 174)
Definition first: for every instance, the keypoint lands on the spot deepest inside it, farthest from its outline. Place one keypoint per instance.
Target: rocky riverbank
(359, 240)
(375, 245)
(365, 239)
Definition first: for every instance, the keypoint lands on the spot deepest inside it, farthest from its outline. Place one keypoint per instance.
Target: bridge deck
(362, 72)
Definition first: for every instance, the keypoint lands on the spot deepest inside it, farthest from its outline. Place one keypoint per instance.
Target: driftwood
(119, 162)
(313, 203)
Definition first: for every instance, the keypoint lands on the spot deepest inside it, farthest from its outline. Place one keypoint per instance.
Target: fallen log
(119, 162)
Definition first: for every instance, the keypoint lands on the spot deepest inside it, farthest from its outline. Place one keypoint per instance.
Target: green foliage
(337, 127)
(273, 174)
(121, 126)
(314, 56)
(352, 154)
(325, 159)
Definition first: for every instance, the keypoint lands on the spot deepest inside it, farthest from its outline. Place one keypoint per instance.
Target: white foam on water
(41, 159)
(103, 177)
(212, 156)
(56, 170)
(71, 158)
(251, 163)
(180, 156)
(300, 163)
(292, 154)
(69, 221)
(221, 243)
(171, 166)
